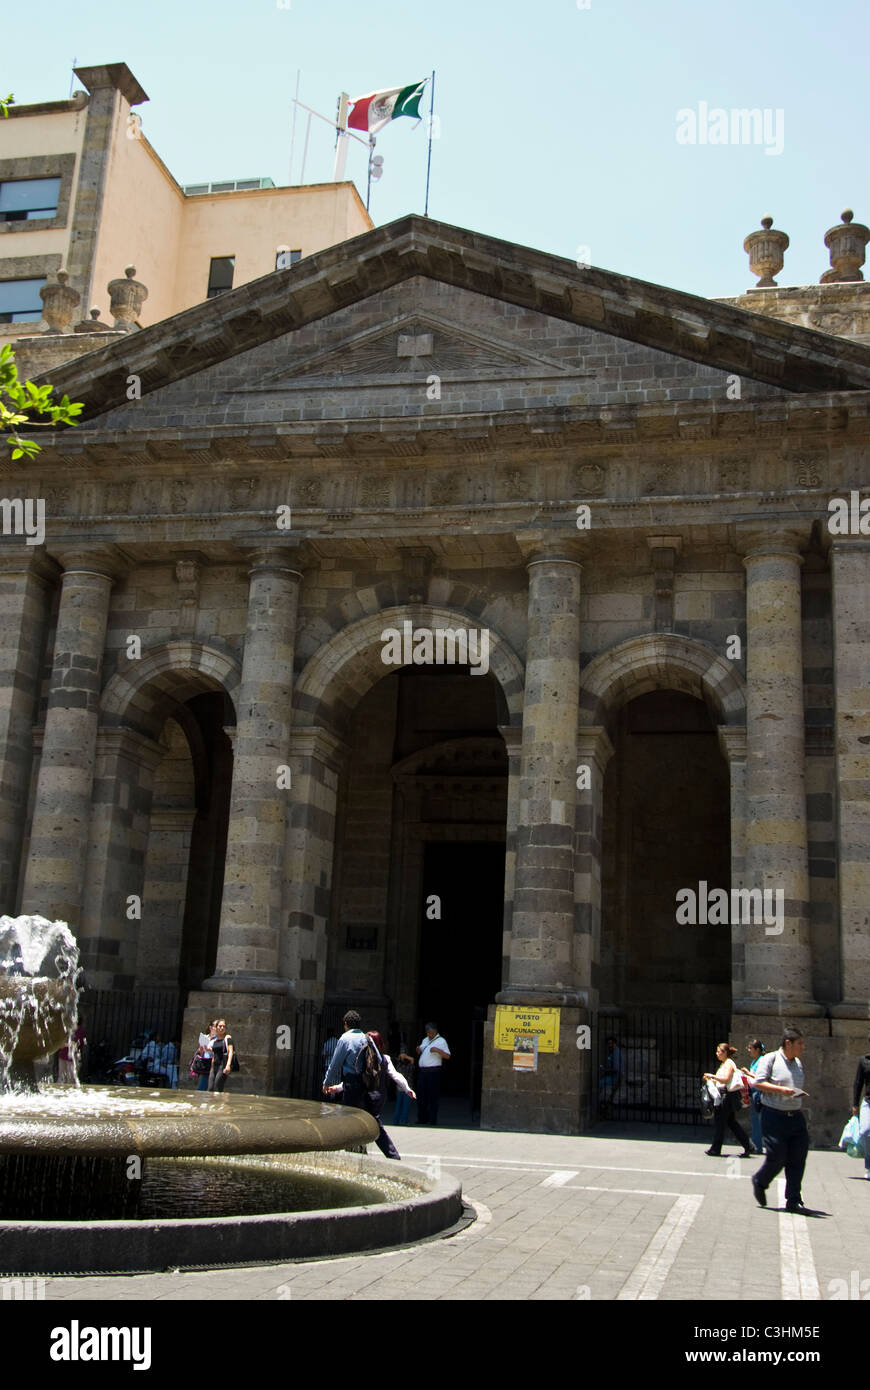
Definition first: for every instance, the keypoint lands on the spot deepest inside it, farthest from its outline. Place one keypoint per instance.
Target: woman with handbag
(200, 1067)
(728, 1079)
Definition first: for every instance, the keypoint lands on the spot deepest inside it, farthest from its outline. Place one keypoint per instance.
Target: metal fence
(654, 1075)
(316, 1024)
(112, 1019)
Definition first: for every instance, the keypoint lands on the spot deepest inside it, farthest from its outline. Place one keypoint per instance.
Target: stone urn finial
(127, 297)
(93, 324)
(845, 244)
(766, 250)
(58, 302)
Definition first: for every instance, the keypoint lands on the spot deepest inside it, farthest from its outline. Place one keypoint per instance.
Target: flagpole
(293, 126)
(369, 184)
(431, 128)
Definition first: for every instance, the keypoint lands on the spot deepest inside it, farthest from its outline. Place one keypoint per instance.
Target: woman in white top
(728, 1080)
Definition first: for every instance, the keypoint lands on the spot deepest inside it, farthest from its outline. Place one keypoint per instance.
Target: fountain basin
(406, 1206)
(119, 1121)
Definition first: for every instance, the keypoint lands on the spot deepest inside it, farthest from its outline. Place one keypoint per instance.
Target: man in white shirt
(779, 1077)
(431, 1053)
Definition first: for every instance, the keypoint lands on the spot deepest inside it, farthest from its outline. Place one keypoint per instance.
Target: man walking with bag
(346, 1064)
(779, 1077)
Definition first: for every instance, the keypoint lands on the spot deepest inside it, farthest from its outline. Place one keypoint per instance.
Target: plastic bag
(850, 1139)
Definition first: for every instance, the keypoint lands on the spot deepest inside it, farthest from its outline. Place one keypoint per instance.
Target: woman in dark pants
(728, 1080)
(222, 1057)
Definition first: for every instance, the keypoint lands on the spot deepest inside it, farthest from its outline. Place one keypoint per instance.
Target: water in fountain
(39, 991)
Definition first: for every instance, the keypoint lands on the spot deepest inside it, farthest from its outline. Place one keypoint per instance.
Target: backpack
(234, 1064)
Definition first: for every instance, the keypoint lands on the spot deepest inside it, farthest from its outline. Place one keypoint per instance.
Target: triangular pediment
(718, 336)
(412, 342)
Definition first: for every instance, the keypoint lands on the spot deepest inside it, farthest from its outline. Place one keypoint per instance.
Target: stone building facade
(624, 488)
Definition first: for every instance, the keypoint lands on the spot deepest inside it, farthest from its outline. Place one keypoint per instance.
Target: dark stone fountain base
(408, 1206)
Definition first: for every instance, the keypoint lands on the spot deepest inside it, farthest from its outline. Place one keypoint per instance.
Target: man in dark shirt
(862, 1108)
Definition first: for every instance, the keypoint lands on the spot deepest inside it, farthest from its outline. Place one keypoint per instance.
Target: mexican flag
(376, 110)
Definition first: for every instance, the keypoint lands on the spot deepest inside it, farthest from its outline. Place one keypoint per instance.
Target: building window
(284, 258)
(26, 200)
(220, 276)
(20, 301)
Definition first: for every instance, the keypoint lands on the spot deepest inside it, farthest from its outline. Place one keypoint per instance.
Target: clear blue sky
(557, 124)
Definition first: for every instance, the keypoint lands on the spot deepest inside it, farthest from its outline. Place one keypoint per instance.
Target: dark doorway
(460, 954)
(667, 827)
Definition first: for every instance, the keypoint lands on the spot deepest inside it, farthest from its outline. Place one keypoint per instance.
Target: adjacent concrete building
(232, 759)
(82, 188)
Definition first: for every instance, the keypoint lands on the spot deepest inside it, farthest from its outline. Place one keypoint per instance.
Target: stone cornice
(548, 433)
(718, 335)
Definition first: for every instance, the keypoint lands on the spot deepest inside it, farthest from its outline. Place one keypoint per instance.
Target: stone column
(594, 751)
(24, 585)
(732, 742)
(247, 987)
(254, 879)
(55, 872)
(778, 975)
(543, 918)
(850, 565)
(316, 758)
(542, 937)
(513, 739)
(111, 926)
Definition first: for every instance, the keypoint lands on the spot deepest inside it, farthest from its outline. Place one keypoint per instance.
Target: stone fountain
(113, 1179)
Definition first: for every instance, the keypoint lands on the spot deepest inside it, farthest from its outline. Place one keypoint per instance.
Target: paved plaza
(621, 1214)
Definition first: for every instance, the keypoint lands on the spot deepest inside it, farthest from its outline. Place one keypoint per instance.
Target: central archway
(418, 833)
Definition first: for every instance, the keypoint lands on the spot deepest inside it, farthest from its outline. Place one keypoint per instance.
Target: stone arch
(147, 690)
(349, 664)
(658, 661)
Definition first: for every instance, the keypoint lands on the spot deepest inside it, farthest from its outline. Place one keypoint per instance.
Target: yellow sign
(542, 1023)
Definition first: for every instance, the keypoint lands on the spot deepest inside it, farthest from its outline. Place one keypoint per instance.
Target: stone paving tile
(566, 1242)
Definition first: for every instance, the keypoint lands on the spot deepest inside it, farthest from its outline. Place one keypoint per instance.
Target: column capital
(513, 739)
(756, 540)
(674, 543)
(279, 555)
(30, 560)
(538, 547)
(131, 744)
(593, 743)
(732, 742)
(107, 561)
(316, 742)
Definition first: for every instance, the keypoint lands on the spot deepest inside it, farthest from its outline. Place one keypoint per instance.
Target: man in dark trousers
(346, 1064)
(432, 1051)
(779, 1077)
